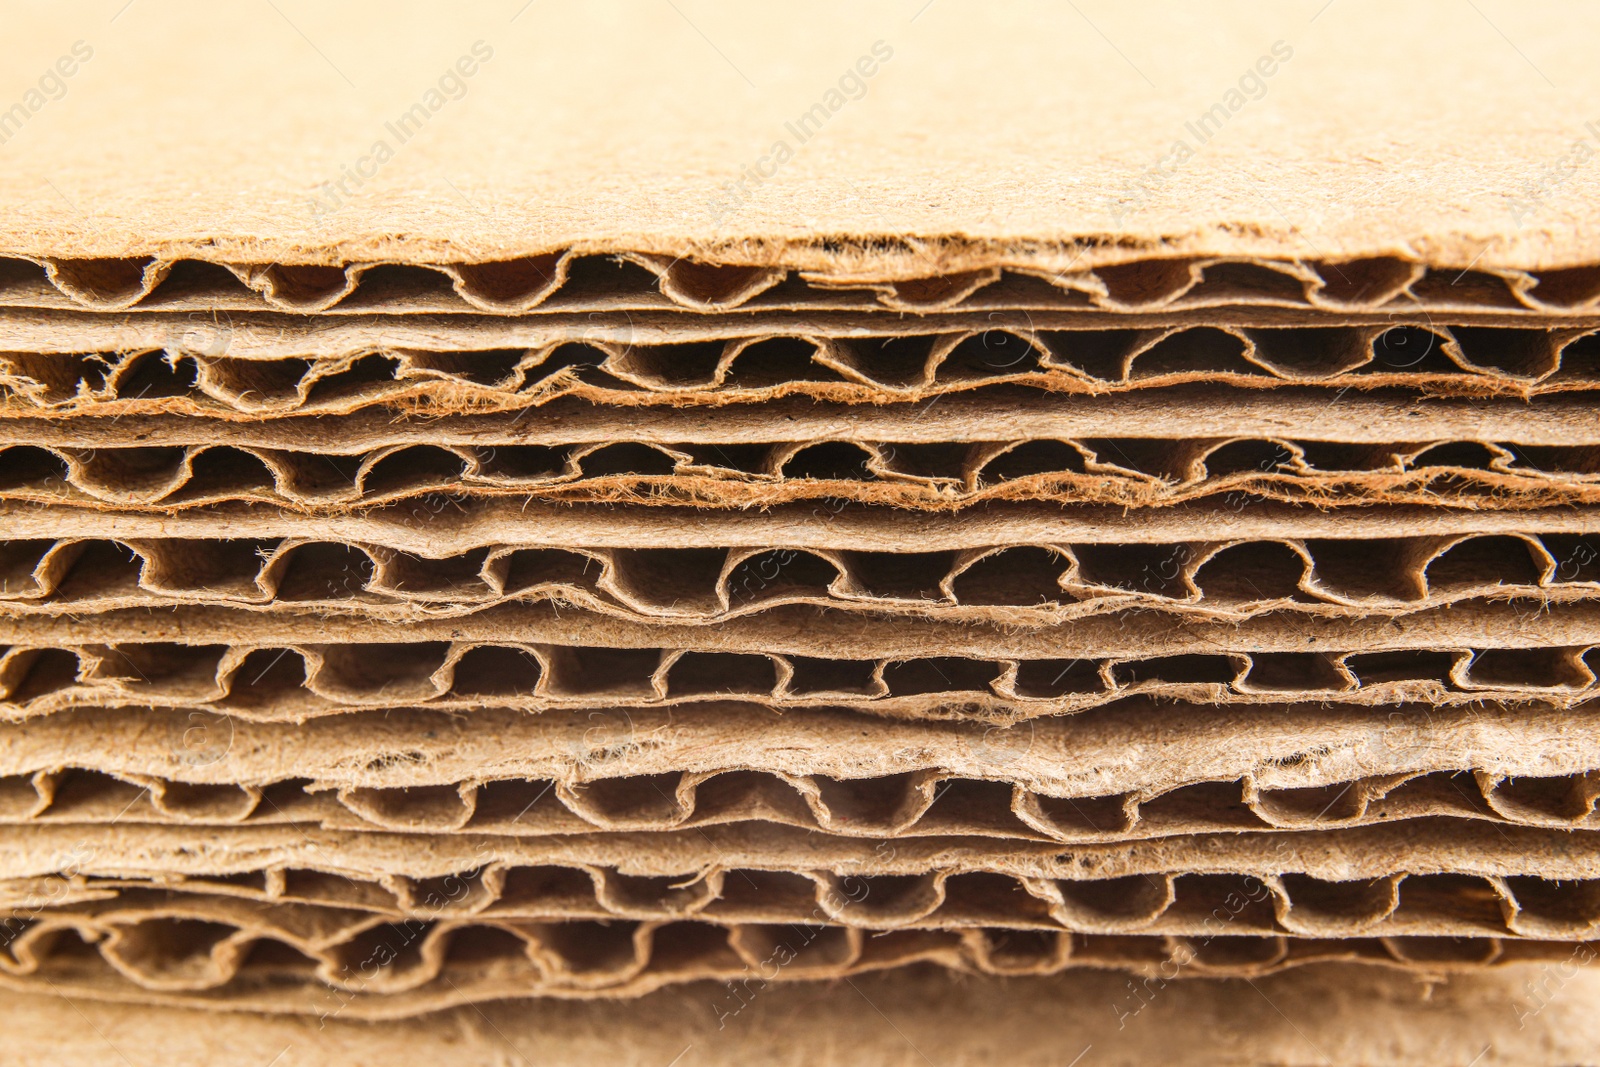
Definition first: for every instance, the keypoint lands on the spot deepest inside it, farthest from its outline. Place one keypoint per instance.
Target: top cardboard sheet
(885, 141)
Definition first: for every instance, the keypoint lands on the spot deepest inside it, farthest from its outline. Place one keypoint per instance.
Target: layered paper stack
(497, 565)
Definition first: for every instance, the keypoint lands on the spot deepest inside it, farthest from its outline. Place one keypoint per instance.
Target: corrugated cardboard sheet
(1015, 512)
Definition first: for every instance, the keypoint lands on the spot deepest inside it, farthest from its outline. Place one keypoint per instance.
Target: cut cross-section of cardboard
(1136, 770)
(541, 657)
(420, 968)
(256, 914)
(221, 377)
(264, 923)
(619, 283)
(320, 910)
(1157, 451)
(1013, 584)
(816, 502)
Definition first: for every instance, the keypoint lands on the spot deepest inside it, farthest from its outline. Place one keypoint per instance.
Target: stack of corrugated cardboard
(406, 607)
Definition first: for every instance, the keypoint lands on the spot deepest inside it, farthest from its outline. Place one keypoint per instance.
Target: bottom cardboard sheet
(1328, 1016)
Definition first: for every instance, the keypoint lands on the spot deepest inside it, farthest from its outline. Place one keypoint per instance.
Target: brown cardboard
(915, 180)
(590, 281)
(1314, 1015)
(210, 371)
(146, 949)
(1143, 748)
(1136, 770)
(1398, 905)
(1161, 580)
(1209, 916)
(589, 960)
(1197, 418)
(1550, 642)
(1348, 854)
(901, 807)
(1010, 584)
(448, 525)
(291, 679)
(317, 912)
(274, 335)
(1127, 472)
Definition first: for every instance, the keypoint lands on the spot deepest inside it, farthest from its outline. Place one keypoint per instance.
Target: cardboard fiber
(902, 806)
(146, 948)
(126, 913)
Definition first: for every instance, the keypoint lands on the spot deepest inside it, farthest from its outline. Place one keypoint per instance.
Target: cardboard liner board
(200, 375)
(1381, 427)
(611, 280)
(1166, 433)
(1135, 771)
(447, 525)
(1496, 344)
(1010, 584)
(1560, 631)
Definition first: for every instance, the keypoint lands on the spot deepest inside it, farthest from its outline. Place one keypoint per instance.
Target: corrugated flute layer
(769, 687)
